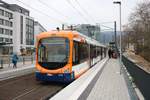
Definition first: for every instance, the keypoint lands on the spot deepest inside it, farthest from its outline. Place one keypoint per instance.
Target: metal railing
(6, 61)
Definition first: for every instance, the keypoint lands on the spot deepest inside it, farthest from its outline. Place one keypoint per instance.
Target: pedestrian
(14, 60)
(110, 53)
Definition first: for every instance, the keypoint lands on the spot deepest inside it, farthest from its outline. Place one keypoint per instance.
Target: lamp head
(117, 2)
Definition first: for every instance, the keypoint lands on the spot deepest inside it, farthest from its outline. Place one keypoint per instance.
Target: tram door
(89, 55)
(75, 53)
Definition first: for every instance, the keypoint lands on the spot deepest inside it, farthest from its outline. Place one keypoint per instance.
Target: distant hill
(107, 36)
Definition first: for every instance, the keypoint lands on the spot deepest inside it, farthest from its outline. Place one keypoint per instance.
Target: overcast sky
(52, 13)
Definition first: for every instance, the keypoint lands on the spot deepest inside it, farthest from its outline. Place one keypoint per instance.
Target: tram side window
(94, 51)
(104, 52)
(42, 54)
(101, 53)
(80, 52)
(75, 53)
(83, 52)
(98, 51)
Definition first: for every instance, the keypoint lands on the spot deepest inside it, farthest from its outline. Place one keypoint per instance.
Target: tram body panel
(63, 56)
(80, 68)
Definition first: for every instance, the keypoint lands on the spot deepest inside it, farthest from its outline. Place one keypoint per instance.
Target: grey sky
(99, 11)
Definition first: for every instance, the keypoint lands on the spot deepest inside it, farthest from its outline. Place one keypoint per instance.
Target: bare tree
(137, 31)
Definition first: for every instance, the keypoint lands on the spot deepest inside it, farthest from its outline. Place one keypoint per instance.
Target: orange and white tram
(63, 56)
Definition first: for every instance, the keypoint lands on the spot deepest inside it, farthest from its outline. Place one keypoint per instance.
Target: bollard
(1, 64)
(9, 62)
(32, 59)
(23, 61)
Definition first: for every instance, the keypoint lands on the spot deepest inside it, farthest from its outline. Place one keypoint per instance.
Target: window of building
(11, 24)
(8, 14)
(29, 31)
(6, 32)
(21, 28)
(1, 21)
(1, 12)
(8, 23)
(6, 39)
(20, 10)
(1, 31)
(11, 32)
(1, 39)
(26, 13)
(11, 41)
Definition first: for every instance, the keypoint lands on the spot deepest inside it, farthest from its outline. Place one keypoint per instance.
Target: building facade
(19, 25)
(38, 28)
(92, 31)
(6, 30)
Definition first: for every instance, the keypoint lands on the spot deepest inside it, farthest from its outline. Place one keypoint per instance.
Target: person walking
(14, 60)
(110, 53)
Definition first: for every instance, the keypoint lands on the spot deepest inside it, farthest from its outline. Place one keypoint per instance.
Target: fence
(5, 61)
(140, 77)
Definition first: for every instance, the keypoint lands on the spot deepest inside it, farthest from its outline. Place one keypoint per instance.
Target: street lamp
(119, 2)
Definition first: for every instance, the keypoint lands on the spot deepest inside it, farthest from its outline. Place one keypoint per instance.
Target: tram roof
(87, 39)
(91, 40)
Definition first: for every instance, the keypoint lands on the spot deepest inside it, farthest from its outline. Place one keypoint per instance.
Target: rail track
(27, 88)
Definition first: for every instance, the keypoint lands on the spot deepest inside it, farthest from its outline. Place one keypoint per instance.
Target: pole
(120, 41)
(63, 26)
(120, 36)
(115, 34)
(119, 2)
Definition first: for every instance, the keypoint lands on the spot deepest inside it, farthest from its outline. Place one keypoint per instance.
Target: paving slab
(111, 84)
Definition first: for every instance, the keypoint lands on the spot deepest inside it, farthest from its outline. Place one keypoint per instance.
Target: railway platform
(102, 82)
(9, 72)
(111, 84)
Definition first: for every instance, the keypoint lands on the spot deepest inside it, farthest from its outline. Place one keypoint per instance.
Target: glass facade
(29, 31)
(6, 31)
(1, 31)
(6, 22)
(1, 21)
(1, 39)
(1, 12)
(21, 29)
(8, 14)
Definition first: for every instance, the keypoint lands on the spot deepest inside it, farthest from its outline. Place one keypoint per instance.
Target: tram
(63, 56)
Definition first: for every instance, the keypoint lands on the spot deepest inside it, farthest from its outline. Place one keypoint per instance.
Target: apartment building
(16, 29)
(6, 30)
